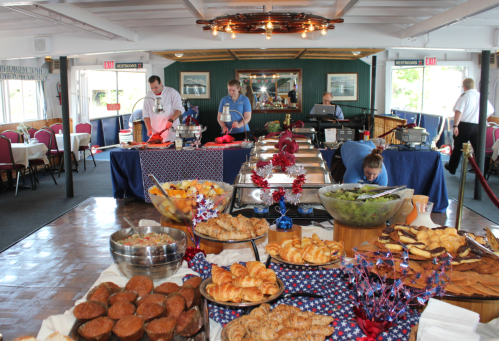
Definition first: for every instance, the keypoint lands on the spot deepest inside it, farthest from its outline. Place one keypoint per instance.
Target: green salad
(370, 212)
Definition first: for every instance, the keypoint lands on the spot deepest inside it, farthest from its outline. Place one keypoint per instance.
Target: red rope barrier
(410, 125)
(483, 182)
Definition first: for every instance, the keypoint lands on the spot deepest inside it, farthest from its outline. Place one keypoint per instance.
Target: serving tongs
(478, 248)
(385, 191)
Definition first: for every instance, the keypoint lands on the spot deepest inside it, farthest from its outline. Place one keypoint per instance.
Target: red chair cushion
(83, 148)
(54, 152)
(36, 162)
(11, 167)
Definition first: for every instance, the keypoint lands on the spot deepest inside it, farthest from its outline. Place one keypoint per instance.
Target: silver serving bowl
(151, 261)
(189, 131)
(359, 213)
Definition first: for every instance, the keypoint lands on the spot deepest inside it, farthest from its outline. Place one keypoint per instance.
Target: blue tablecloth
(421, 170)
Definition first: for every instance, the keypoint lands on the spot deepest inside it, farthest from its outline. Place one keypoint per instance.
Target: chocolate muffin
(151, 298)
(167, 288)
(150, 311)
(120, 309)
(161, 329)
(98, 329)
(175, 304)
(140, 284)
(129, 328)
(87, 311)
(99, 294)
(125, 295)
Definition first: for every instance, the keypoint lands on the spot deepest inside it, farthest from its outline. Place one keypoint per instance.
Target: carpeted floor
(485, 207)
(31, 210)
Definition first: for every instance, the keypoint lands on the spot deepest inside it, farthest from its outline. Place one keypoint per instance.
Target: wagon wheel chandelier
(269, 23)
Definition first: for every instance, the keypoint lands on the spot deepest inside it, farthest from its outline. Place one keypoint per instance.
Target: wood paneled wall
(382, 124)
(36, 124)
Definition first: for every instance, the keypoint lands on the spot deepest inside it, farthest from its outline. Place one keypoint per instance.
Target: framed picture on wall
(195, 85)
(343, 86)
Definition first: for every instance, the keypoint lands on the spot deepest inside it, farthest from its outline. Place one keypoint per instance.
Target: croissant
(236, 332)
(322, 330)
(295, 321)
(257, 269)
(247, 282)
(314, 255)
(271, 276)
(238, 270)
(268, 288)
(261, 311)
(251, 294)
(296, 242)
(220, 275)
(291, 254)
(289, 333)
(322, 320)
(316, 238)
(286, 242)
(305, 241)
(273, 248)
(266, 332)
(279, 314)
(249, 322)
(225, 292)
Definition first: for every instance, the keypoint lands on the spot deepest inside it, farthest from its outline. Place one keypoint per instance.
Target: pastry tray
(202, 335)
(230, 241)
(202, 289)
(279, 259)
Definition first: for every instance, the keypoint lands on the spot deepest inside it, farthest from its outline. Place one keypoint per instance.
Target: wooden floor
(48, 271)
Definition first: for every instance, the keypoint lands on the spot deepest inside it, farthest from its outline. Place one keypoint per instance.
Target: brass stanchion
(460, 199)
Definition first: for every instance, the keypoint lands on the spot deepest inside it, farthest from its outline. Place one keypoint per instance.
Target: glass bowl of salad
(339, 201)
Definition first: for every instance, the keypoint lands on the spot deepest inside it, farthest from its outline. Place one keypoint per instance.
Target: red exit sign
(431, 61)
(114, 106)
(109, 64)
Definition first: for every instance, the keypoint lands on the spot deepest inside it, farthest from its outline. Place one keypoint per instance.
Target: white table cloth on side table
(24, 152)
(77, 140)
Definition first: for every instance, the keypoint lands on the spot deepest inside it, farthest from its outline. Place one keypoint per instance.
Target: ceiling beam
(340, 8)
(198, 8)
(449, 17)
(82, 15)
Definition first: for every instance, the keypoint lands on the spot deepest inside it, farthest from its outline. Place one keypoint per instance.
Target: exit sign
(114, 106)
(430, 61)
(109, 64)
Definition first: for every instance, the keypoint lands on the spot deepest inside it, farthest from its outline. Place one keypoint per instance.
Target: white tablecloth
(495, 149)
(243, 253)
(24, 152)
(77, 140)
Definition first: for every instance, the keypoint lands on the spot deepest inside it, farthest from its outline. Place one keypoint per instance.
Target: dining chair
(7, 161)
(12, 135)
(494, 128)
(85, 128)
(59, 153)
(56, 127)
(45, 137)
(32, 132)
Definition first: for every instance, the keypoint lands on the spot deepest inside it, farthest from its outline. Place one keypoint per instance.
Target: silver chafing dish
(306, 131)
(412, 136)
(189, 131)
(303, 161)
(274, 139)
(264, 148)
(299, 153)
(301, 144)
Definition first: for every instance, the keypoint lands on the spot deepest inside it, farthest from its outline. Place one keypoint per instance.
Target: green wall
(314, 73)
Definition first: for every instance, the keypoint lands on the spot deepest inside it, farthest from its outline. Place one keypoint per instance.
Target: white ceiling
(136, 23)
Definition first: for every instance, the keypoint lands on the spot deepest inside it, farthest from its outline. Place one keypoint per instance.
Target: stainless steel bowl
(152, 261)
(189, 131)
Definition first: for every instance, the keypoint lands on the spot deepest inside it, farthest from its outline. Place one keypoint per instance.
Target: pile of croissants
(242, 283)
(306, 250)
(283, 323)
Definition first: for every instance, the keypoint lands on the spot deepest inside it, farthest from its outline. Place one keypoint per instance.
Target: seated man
(327, 97)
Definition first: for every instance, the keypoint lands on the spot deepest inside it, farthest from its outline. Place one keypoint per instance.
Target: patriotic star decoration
(205, 210)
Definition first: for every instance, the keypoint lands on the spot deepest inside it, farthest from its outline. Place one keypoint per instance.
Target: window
(431, 90)
(98, 88)
(21, 101)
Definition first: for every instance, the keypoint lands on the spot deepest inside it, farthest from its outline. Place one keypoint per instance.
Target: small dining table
(22, 153)
(77, 140)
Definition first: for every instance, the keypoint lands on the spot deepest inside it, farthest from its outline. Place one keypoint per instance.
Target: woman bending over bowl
(359, 162)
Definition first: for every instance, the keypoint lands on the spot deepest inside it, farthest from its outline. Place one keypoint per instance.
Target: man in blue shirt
(363, 163)
(236, 101)
(327, 97)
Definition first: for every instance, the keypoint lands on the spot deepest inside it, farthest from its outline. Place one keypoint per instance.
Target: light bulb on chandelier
(228, 29)
(233, 35)
(311, 28)
(304, 35)
(269, 25)
(215, 31)
(323, 32)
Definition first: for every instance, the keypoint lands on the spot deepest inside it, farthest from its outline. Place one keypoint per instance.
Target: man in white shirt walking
(172, 106)
(466, 111)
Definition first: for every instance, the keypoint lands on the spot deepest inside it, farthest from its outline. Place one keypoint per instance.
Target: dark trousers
(467, 132)
(239, 136)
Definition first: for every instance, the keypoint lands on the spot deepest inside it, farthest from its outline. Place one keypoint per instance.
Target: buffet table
(421, 170)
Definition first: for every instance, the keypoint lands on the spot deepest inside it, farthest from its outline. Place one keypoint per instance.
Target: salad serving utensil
(386, 190)
(132, 225)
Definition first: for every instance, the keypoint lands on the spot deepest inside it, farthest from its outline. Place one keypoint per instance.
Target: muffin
(167, 288)
(189, 323)
(113, 288)
(99, 294)
(87, 311)
(161, 329)
(175, 304)
(129, 328)
(190, 295)
(194, 282)
(125, 295)
(98, 329)
(140, 284)
(120, 309)
(150, 311)
(151, 298)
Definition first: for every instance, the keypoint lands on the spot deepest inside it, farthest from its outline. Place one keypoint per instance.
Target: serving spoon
(129, 222)
(387, 190)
